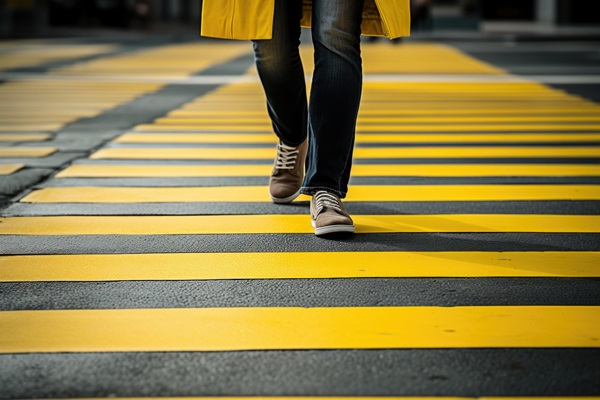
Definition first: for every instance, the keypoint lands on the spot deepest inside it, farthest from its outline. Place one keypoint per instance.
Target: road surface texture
(141, 256)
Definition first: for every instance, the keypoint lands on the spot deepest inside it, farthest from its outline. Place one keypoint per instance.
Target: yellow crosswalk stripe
(204, 127)
(361, 120)
(229, 329)
(382, 128)
(107, 96)
(28, 55)
(359, 170)
(200, 112)
(297, 265)
(358, 193)
(71, 105)
(380, 97)
(390, 89)
(7, 169)
(41, 113)
(68, 103)
(24, 137)
(26, 152)
(41, 90)
(72, 84)
(191, 57)
(417, 58)
(361, 138)
(256, 224)
(434, 86)
(29, 127)
(29, 120)
(412, 152)
(447, 106)
(32, 106)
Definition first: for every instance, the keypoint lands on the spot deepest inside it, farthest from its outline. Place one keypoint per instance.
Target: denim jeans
(329, 119)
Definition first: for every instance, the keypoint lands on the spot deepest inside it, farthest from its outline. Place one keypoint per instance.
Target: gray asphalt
(426, 372)
(402, 372)
(437, 292)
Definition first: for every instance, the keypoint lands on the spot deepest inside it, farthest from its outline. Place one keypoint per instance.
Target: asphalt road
(141, 257)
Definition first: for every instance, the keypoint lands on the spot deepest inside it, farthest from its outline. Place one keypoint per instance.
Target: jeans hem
(291, 144)
(313, 189)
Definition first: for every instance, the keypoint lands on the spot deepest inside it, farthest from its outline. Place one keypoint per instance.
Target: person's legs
(335, 95)
(281, 73)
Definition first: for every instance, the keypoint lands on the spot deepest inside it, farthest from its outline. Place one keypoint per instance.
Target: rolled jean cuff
(291, 144)
(314, 189)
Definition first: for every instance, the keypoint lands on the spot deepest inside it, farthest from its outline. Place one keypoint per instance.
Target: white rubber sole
(325, 230)
(285, 200)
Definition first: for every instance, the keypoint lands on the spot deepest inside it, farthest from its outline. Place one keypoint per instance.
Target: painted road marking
(187, 112)
(35, 119)
(28, 55)
(191, 57)
(434, 107)
(7, 169)
(383, 128)
(226, 153)
(361, 138)
(71, 105)
(420, 58)
(387, 78)
(401, 120)
(297, 265)
(359, 170)
(376, 193)
(24, 137)
(26, 152)
(32, 106)
(75, 95)
(274, 328)
(41, 113)
(28, 127)
(255, 224)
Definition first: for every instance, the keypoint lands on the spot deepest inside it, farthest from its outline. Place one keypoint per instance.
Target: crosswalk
(275, 328)
(76, 100)
(31, 53)
(467, 199)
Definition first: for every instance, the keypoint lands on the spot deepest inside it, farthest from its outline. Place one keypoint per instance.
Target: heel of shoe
(285, 200)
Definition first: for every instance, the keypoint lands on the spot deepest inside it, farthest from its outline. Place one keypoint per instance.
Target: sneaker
(288, 172)
(328, 214)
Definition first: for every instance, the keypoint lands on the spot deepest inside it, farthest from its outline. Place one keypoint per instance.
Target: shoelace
(286, 156)
(325, 199)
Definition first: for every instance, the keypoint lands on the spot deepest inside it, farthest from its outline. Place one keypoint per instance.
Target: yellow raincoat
(253, 19)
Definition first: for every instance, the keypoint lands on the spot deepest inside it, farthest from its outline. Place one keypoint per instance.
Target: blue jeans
(330, 117)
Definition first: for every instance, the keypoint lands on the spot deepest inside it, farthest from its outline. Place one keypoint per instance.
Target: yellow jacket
(253, 19)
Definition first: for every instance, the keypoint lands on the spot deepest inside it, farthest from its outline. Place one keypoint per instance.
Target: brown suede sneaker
(288, 172)
(328, 214)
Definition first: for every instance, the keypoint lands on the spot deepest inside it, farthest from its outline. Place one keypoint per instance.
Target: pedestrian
(321, 131)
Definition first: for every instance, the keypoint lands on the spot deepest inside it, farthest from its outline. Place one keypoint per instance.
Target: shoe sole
(285, 200)
(325, 230)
